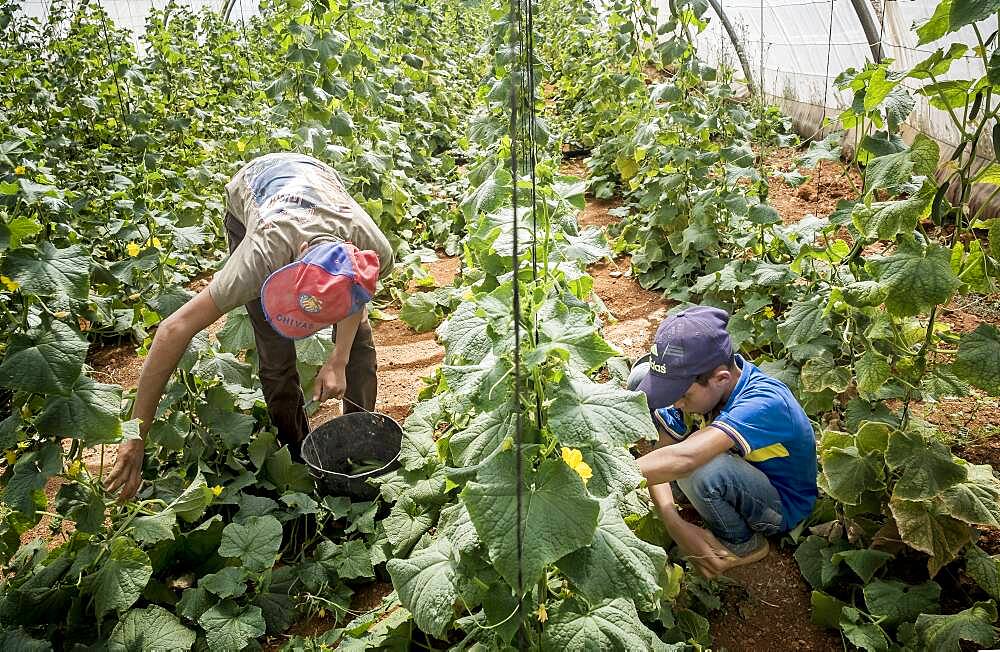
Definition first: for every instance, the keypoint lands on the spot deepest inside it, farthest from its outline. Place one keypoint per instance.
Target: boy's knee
(635, 377)
(708, 480)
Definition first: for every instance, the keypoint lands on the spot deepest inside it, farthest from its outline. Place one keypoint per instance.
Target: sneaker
(670, 421)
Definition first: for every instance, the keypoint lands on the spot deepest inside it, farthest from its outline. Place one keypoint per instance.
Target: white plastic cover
(132, 14)
(798, 47)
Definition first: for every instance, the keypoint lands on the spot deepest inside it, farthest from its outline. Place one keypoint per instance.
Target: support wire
(519, 425)
(523, 160)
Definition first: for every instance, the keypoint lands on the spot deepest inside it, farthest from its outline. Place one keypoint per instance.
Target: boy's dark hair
(702, 379)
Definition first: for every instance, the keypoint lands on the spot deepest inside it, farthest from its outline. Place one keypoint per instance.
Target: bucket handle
(354, 476)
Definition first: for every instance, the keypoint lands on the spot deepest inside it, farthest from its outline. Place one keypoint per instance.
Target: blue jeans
(735, 499)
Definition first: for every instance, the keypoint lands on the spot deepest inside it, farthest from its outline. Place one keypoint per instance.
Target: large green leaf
(237, 333)
(873, 371)
(18, 229)
(286, 474)
(79, 503)
(915, 278)
(489, 195)
(975, 500)
(406, 523)
(256, 542)
(47, 360)
(153, 629)
(418, 446)
(937, 25)
(978, 360)
(815, 559)
(862, 294)
(608, 625)
(827, 149)
(228, 582)
(887, 219)
(91, 412)
(50, 271)
(822, 372)
(573, 329)
(849, 473)
(464, 334)
(485, 384)
(616, 563)
(31, 472)
(966, 12)
(865, 563)
(985, 570)
(17, 640)
(191, 504)
(614, 469)
(944, 633)
(898, 602)
(928, 466)
(866, 636)
(558, 516)
(121, 577)
(233, 428)
(426, 585)
(926, 529)
(804, 321)
(826, 610)
(155, 528)
(583, 411)
(230, 627)
(893, 170)
(226, 367)
(483, 435)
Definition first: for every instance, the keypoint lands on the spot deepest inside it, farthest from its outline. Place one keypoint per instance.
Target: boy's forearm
(662, 464)
(347, 330)
(687, 536)
(164, 355)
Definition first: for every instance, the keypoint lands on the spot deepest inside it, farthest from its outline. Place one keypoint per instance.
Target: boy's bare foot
(720, 559)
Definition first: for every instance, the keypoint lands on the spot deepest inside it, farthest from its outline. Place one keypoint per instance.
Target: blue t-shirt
(772, 432)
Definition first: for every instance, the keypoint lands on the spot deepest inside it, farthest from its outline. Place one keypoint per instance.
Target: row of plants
(844, 308)
(581, 576)
(591, 571)
(111, 201)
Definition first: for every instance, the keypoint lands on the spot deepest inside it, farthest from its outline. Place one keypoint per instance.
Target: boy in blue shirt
(750, 472)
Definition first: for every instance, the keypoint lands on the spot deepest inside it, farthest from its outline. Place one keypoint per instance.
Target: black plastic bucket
(356, 436)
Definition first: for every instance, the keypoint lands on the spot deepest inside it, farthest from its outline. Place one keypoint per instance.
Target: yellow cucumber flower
(574, 459)
(19, 170)
(542, 614)
(572, 456)
(217, 490)
(133, 249)
(10, 284)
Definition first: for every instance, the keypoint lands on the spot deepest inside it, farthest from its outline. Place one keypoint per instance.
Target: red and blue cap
(332, 281)
(688, 344)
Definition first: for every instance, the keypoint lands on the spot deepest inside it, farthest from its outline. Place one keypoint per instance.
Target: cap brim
(661, 391)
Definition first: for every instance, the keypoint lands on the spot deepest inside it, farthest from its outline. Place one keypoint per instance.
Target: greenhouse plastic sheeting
(131, 14)
(796, 49)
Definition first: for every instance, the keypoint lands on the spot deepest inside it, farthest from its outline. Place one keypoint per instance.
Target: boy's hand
(126, 476)
(331, 382)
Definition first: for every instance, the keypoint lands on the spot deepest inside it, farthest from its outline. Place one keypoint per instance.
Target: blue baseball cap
(688, 344)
